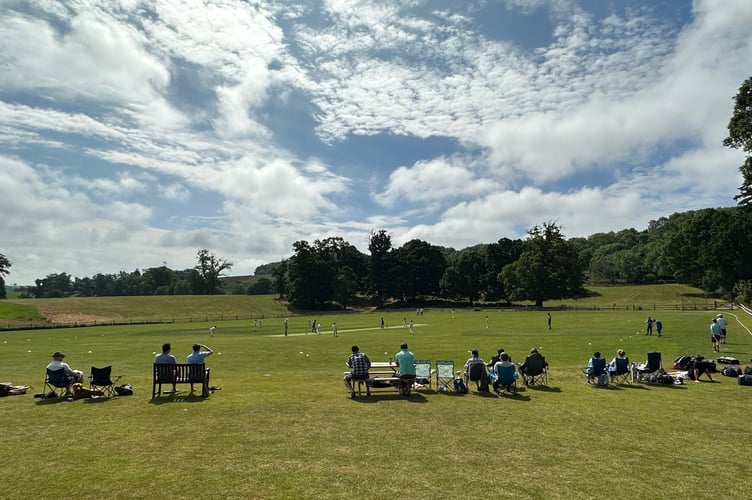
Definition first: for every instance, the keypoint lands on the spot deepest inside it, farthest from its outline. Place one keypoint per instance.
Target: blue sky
(134, 133)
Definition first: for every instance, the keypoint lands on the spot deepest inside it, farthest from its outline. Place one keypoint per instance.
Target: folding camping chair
(536, 370)
(101, 379)
(477, 373)
(444, 376)
(505, 379)
(58, 380)
(643, 371)
(423, 372)
(596, 373)
(621, 374)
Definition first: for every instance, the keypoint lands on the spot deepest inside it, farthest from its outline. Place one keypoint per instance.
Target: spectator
(715, 335)
(722, 324)
(620, 359)
(165, 358)
(359, 365)
(198, 356)
(534, 359)
(649, 326)
(405, 360)
(596, 369)
(57, 363)
(503, 362)
(476, 360)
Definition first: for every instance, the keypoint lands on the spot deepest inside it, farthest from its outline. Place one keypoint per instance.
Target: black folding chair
(101, 379)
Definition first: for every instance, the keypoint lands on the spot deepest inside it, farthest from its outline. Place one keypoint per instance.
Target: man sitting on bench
(198, 356)
(406, 362)
(359, 365)
(165, 358)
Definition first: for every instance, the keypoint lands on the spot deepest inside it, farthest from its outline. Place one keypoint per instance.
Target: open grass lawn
(283, 426)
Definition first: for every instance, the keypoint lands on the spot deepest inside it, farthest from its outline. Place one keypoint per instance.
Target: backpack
(682, 362)
(748, 370)
(731, 371)
(124, 390)
(665, 378)
(745, 379)
(459, 386)
(728, 360)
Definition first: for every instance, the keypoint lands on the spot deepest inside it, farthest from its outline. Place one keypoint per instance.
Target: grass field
(283, 426)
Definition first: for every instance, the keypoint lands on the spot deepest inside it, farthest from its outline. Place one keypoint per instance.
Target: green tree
(548, 268)
(380, 247)
(4, 271)
(462, 277)
(261, 286)
(210, 268)
(53, 285)
(740, 137)
(281, 279)
(420, 267)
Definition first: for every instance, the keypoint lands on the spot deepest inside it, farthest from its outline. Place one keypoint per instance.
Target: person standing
(284, 323)
(165, 358)
(212, 330)
(359, 365)
(382, 322)
(334, 328)
(722, 324)
(405, 360)
(548, 319)
(649, 326)
(715, 335)
(412, 328)
(486, 322)
(658, 326)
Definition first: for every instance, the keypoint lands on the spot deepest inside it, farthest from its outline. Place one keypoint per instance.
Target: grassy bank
(283, 426)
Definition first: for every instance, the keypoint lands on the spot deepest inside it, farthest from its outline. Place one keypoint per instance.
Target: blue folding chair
(621, 373)
(505, 379)
(57, 380)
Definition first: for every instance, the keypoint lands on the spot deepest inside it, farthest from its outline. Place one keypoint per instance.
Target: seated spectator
(476, 360)
(359, 364)
(495, 360)
(405, 360)
(596, 369)
(619, 365)
(198, 356)
(57, 363)
(533, 360)
(165, 358)
(504, 362)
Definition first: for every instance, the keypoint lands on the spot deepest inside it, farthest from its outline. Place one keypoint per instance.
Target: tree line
(705, 248)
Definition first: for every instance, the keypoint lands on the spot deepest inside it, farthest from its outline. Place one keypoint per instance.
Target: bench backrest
(180, 372)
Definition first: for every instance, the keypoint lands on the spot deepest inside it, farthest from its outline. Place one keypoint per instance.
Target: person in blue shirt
(165, 358)
(405, 360)
(198, 356)
(715, 335)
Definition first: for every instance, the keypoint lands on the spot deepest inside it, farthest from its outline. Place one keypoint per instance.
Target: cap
(58, 353)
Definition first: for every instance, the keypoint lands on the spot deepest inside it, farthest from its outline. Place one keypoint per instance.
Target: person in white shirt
(57, 363)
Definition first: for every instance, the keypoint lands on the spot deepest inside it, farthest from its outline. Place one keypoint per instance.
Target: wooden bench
(181, 373)
(387, 377)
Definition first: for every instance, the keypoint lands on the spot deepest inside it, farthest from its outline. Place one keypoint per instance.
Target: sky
(135, 132)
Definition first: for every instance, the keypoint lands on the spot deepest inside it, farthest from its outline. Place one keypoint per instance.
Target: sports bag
(682, 362)
(727, 360)
(459, 386)
(745, 379)
(748, 370)
(731, 371)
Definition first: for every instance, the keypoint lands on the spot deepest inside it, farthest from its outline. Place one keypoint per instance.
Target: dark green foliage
(740, 137)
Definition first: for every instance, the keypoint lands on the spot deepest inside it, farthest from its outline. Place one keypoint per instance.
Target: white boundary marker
(746, 310)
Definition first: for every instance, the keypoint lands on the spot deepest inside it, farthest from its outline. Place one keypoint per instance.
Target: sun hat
(58, 353)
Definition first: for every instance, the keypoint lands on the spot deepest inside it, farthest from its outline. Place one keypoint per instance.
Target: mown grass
(283, 425)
